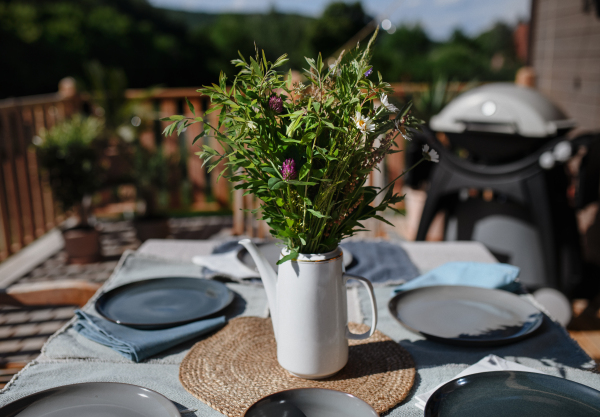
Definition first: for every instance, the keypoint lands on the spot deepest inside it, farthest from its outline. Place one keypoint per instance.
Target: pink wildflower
(288, 170)
(276, 104)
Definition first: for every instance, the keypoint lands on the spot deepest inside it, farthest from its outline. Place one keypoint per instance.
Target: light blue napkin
(136, 344)
(472, 274)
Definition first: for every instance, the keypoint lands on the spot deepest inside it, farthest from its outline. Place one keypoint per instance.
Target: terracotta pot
(151, 228)
(82, 245)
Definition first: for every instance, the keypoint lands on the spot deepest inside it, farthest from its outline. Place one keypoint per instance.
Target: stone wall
(566, 56)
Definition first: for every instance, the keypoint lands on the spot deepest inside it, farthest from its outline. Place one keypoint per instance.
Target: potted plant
(127, 159)
(306, 151)
(151, 170)
(68, 154)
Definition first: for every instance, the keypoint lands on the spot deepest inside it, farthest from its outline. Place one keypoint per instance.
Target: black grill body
(528, 221)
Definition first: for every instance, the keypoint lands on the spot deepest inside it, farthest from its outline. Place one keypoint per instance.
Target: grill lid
(502, 108)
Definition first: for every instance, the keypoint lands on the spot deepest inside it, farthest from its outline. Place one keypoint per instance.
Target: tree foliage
(69, 155)
(42, 41)
(410, 55)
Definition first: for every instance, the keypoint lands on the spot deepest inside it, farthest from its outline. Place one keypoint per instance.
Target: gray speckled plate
(92, 399)
(511, 393)
(163, 302)
(466, 316)
(310, 402)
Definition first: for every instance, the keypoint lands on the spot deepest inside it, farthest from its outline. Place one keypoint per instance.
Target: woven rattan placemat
(237, 366)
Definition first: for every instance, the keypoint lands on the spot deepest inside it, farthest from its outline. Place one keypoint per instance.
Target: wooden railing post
(11, 185)
(22, 168)
(5, 236)
(196, 172)
(238, 213)
(168, 106)
(394, 165)
(37, 200)
(250, 219)
(220, 189)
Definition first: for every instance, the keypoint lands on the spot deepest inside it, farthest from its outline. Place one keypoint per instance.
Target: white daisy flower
(333, 71)
(364, 124)
(430, 154)
(390, 107)
(405, 134)
(251, 125)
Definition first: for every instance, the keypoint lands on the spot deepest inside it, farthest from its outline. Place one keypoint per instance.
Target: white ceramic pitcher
(309, 311)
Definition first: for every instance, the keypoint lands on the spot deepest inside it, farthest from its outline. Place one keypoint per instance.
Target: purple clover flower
(288, 170)
(276, 104)
(369, 72)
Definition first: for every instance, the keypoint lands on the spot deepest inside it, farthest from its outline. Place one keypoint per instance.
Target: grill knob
(547, 160)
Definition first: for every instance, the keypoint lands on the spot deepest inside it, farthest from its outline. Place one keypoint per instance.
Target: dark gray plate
(510, 393)
(163, 302)
(93, 399)
(466, 315)
(310, 402)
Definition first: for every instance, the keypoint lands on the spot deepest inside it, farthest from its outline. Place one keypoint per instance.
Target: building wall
(566, 56)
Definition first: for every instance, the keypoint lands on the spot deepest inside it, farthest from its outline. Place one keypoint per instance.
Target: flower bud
(276, 104)
(288, 170)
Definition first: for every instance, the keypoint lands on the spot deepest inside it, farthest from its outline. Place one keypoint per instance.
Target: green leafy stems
(330, 127)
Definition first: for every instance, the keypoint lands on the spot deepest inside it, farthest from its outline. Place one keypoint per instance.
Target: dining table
(70, 358)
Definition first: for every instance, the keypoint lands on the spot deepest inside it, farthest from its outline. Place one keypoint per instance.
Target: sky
(438, 17)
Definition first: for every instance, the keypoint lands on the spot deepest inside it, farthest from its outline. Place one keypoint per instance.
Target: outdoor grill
(500, 181)
(501, 122)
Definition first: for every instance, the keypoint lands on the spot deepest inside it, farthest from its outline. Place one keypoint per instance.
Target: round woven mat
(237, 366)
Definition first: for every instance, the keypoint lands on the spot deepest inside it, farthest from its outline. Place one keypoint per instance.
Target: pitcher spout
(268, 277)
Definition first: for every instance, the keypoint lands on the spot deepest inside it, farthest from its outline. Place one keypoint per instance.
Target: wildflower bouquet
(306, 150)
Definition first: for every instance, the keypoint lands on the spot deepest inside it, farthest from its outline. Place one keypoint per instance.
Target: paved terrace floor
(24, 330)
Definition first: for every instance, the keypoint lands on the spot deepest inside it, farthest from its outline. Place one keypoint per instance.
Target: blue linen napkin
(472, 274)
(382, 263)
(136, 344)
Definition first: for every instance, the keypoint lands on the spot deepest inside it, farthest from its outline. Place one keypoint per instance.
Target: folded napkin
(136, 344)
(382, 263)
(487, 364)
(472, 274)
(224, 262)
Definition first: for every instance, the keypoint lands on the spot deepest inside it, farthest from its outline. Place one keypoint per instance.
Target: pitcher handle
(369, 286)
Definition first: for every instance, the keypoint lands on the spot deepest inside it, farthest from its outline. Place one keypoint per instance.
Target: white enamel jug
(308, 305)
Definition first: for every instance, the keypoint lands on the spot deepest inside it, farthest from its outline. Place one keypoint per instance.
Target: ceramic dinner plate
(163, 302)
(310, 402)
(466, 315)
(511, 393)
(92, 399)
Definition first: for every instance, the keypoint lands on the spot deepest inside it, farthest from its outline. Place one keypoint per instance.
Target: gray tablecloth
(69, 358)
(549, 350)
(70, 344)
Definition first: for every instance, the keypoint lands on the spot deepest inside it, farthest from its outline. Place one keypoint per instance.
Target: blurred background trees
(42, 41)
